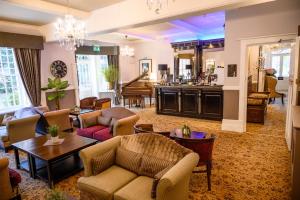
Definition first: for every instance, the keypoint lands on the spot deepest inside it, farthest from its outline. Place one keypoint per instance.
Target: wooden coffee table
(52, 163)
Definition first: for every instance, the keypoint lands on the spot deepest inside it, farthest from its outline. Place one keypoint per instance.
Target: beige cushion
(103, 161)
(104, 120)
(128, 159)
(150, 165)
(106, 183)
(255, 101)
(258, 95)
(138, 189)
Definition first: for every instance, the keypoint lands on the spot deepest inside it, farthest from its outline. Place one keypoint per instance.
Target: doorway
(273, 56)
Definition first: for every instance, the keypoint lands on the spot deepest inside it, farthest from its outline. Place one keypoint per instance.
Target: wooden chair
(271, 87)
(204, 148)
(102, 103)
(88, 103)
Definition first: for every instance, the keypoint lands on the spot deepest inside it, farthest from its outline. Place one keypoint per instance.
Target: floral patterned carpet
(251, 165)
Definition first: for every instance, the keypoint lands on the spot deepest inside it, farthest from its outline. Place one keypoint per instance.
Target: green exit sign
(96, 48)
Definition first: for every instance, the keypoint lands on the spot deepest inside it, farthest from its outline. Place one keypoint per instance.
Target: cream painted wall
(52, 51)
(12, 27)
(273, 18)
(159, 51)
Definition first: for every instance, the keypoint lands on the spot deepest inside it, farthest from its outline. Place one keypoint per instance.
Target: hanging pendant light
(157, 5)
(127, 50)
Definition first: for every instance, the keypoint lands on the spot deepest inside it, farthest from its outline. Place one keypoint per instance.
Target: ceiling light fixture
(70, 32)
(126, 50)
(157, 5)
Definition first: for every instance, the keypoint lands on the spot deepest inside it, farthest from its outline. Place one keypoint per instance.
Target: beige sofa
(117, 183)
(125, 119)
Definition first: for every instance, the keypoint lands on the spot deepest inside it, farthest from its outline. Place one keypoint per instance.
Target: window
(182, 67)
(12, 91)
(90, 78)
(280, 61)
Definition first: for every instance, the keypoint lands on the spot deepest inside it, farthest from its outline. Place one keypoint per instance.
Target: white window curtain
(90, 78)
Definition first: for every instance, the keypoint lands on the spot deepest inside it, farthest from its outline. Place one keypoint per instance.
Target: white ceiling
(41, 12)
(203, 27)
(85, 5)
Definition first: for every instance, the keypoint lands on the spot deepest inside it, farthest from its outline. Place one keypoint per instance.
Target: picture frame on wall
(145, 66)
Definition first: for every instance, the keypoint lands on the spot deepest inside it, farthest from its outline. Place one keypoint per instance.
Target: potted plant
(58, 86)
(53, 131)
(55, 195)
(111, 74)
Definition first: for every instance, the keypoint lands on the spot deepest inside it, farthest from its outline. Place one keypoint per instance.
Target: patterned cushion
(150, 165)
(104, 120)
(102, 135)
(255, 101)
(157, 177)
(89, 132)
(112, 123)
(88, 122)
(258, 95)
(103, 162)
(128, 159)
(15, 177)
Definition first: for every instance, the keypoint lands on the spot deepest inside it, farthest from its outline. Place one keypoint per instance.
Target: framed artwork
(145, 66)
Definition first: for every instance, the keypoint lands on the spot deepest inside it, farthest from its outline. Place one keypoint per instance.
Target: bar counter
(190, 101)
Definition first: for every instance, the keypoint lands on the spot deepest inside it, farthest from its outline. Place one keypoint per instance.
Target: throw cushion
(103, 161)
(102, 134)
(150, 165)
(111, 126)
(15, 177)
(104, 120)
(128, 159)
(157, 177)
(89, 132)
(88, 122)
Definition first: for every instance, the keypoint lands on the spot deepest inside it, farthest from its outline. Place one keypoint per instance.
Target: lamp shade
(162, 67)
(188, 67)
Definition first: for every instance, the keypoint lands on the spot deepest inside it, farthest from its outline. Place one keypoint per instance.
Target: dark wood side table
(52, 163)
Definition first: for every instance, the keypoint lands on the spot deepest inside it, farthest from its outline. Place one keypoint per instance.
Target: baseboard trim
(233, 125)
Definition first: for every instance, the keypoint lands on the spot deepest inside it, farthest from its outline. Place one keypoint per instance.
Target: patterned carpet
(253, 165)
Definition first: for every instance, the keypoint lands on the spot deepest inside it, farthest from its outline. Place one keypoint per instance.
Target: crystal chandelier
(70, 32)
(126, 50)
(157, 5)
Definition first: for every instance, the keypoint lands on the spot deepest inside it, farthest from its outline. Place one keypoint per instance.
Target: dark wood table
(52, 163)
(195, 135)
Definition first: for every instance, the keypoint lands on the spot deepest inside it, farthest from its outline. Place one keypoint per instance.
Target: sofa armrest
(87, 154)
(125, 126)
(3, 163)
(174, 184)
(84, 116)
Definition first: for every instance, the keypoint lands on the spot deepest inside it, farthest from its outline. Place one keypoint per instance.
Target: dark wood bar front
(190, 101)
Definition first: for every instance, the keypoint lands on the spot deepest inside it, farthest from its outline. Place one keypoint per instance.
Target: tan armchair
(117, 183)
(18, 130)
(6, 189)
(60, 118)
(271, 87)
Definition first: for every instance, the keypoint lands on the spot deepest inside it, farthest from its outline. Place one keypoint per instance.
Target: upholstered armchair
(60, 118)
(103, 103)
(17, 130)
(271, 83)
(116, 182)
(88, 103)
(8, 189)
